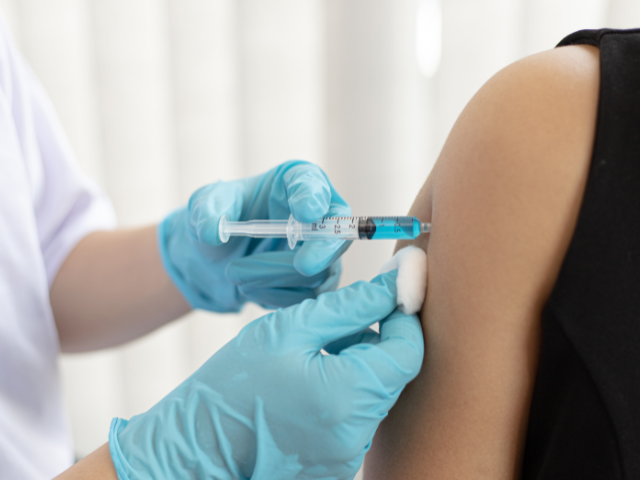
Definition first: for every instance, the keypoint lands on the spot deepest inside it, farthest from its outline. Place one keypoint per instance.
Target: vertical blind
(159, 97)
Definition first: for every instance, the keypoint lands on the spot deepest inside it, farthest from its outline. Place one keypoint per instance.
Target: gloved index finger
(335, 315)
(308, 190)
(311, 196)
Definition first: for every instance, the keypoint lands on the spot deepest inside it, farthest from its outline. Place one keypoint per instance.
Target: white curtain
(160, 97)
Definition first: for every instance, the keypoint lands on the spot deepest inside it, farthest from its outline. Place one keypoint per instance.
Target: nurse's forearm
(112, 288)
(96, 466)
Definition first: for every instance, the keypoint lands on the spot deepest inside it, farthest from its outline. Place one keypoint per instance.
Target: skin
(503, 200)
(96, 466)
(111, 289)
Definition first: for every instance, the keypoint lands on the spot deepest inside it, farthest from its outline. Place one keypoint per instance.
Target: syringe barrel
(327, 228)
(363, 228)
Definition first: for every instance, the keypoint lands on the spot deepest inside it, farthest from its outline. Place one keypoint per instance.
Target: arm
(113, 288)
(96, 466)
(503, 200)
(116, 286)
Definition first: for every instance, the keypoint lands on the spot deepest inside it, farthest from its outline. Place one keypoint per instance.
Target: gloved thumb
(397, 358)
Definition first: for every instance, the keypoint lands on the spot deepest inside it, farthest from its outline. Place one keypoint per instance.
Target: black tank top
(585, 414)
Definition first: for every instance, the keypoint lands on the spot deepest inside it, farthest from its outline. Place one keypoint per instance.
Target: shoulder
(564, 75)
(518, 156)
(561, 69)
(550, 96)
(503, 200)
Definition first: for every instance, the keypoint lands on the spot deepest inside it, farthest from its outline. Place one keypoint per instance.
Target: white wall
(159, 97)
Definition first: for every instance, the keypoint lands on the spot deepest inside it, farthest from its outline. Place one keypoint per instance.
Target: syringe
(327, 228)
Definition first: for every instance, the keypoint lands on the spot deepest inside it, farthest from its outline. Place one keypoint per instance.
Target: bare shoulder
(546, 100)
(560, 81)
(560, 70)
(539, 112)
(519, 156)
(503, 200)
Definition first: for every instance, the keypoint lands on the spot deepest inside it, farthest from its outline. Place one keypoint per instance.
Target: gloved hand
(269, 405)
(221, 277)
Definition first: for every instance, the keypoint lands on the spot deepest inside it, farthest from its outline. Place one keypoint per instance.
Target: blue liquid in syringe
(390, 228)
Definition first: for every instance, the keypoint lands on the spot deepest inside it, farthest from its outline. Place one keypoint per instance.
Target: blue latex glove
(221, 277)
(269, 405)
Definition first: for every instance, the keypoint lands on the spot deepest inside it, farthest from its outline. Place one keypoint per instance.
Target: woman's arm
(113, 288)
(503, 200)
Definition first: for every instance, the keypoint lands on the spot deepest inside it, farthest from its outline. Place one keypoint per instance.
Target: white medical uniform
(46, 207)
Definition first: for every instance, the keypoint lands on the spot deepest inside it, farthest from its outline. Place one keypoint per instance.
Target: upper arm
(503, 200)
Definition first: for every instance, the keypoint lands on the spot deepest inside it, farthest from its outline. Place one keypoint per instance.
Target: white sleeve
(67, 205)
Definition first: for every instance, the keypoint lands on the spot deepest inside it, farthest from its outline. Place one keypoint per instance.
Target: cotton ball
(411, 263)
